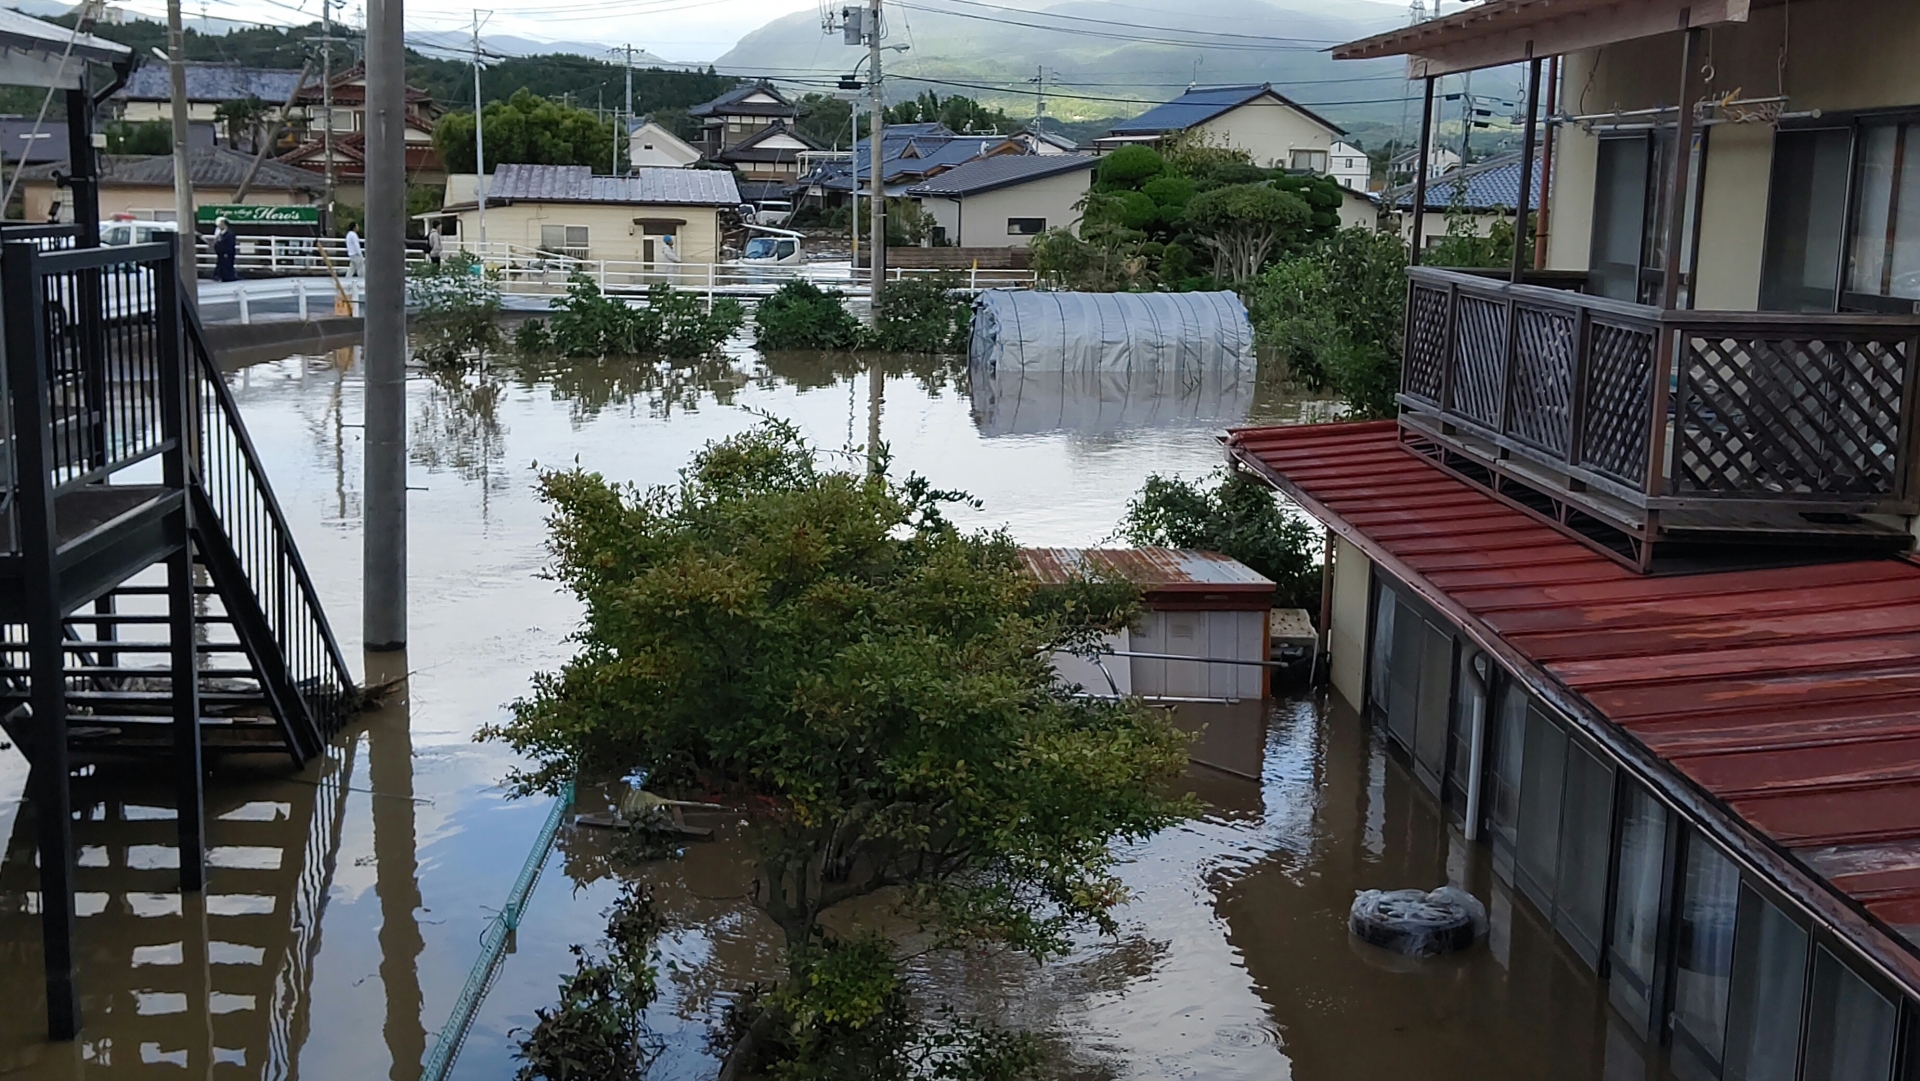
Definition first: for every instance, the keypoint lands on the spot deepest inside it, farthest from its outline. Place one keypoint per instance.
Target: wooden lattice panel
(1542, 377)
(1791, 416)
(1618, 398)
(1479, 358)
(1426, 344)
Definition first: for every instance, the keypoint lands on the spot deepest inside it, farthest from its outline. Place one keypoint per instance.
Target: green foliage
(139, 137)
(456, 305)
(533, 338)
(246, 121)
(961, 114)
(1245, 223)
(825, 119)
(422, 199)
(673, 324)
(923, 314)
(1237, 516)
(1464, 247)
(1335, 312)
(527, 129)
(829, 647)
(801, 315)
(597, 1031)
(1169, 191)
(1127, 168)
(848, 1015)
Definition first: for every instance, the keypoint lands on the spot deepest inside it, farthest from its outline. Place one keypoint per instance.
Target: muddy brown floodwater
(345, 903)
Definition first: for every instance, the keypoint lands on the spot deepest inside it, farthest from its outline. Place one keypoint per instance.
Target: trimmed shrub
(801, 315)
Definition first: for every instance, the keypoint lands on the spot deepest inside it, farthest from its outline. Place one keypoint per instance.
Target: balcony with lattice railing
(1668, 438)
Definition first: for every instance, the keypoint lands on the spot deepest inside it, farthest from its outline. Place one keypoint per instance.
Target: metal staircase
(152, 600)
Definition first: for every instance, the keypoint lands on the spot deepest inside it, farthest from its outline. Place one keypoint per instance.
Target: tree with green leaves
(955, 112)
(247, 122)
(1244, 224)
(139, 137)
(1335, 311)
(528, 129)
(828, 649)
(1237, 516)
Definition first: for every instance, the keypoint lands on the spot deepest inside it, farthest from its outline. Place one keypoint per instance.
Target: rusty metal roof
(1155, 570)
(1790, 696)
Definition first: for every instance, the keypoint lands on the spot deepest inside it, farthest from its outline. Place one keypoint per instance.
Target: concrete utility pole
(877, 211)
(627, 104)
(385, 555)
(1039, 81)
(479, 139)
(326, 98)
(188, 234)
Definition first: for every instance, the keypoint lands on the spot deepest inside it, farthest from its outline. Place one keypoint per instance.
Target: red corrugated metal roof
(1791, 695)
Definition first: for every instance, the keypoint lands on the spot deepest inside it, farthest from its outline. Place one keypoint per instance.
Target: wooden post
(1420, 171)
(1525, 203)
(1540, 230)
(46, 647)
(176, 383)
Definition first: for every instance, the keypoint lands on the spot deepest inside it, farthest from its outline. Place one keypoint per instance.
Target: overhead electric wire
(1317, 42)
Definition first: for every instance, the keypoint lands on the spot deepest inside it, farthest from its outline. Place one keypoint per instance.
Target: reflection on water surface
(346, 901)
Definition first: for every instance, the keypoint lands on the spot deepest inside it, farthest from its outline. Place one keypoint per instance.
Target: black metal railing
(1661, 409)
(102, 364)
(246, 514)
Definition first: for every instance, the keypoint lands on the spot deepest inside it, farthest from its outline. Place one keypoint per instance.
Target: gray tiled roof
(577, 184)
(213, 82)
(213, 167)
(1000, 171)
(1493, 184)
(1201, 104)
(730, 103)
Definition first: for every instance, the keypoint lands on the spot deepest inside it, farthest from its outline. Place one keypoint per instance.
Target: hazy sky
(673, 29)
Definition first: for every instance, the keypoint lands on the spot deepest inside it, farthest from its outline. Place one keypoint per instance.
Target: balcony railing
(1718, 420)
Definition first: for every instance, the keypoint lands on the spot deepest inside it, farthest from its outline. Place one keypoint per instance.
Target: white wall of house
(614, 231)
(1347, 637)
(654, 147)
(1357, 211)
(983, 220)
(1349, 165)
(1269, 130)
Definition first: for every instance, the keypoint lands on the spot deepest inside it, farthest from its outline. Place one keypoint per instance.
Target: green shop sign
(248, 214)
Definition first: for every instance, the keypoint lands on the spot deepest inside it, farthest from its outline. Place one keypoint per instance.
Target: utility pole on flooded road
(877, 208)
(385, 541)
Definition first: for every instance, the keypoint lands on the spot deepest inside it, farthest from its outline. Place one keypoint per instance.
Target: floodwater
(346, 903)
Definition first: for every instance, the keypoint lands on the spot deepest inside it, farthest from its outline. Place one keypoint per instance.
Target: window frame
(1026, 226)
(1854, 122)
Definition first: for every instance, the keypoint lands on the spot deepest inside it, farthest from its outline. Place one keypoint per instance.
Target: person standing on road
(226, 251)
(356, 254)
(434, 243)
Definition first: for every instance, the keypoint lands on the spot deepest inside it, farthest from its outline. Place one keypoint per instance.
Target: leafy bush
(828, 646)
(1245, 223)
(532, 337)
(924, 314)
(457, 306)
(597, 1032)
(1335, 312)
(1128, 168)
(1238, 517)
(674, 324)
(801, 315)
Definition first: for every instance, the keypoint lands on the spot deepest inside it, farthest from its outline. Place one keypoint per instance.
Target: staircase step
(157, 591)
(149, 647)
(156, 673)
(129, 618)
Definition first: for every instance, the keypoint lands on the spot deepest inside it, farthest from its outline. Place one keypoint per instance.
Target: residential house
(1440, 161)
(1006, 200)
(348, 145)
(656, 216)
(1471, 200)
(740, 114)
(1277, 132)
(24, 141)
(651, 146)
(909, 154)
(1038, 141)
(768, 161)
(142, 184)
(1628, 584)
(1349, 165)
(148, 96)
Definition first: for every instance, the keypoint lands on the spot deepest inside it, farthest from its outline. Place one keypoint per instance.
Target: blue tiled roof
(1493, 184)
(1200, 105)
(213, 82)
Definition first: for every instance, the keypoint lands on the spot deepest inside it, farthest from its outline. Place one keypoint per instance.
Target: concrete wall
(980, 221)
(1347, 640)
(142, 202)
(611, 231)
(1268, 130)
(1842, 54)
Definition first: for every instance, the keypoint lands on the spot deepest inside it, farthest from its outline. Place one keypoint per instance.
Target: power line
(1291, 41)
